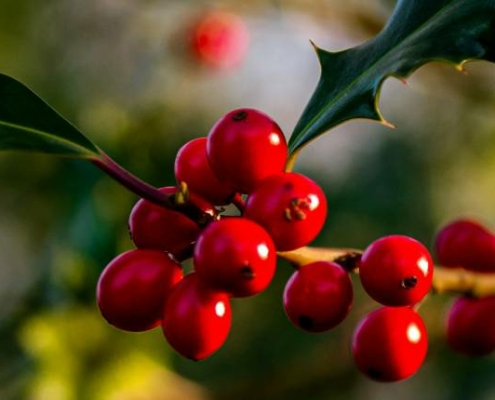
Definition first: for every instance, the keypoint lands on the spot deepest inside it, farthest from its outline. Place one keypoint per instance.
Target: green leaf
(28, 123)
(418, 32)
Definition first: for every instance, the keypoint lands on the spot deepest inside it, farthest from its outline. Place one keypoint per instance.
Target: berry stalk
(149, 192)
(461, 281)
(346, 258)
(131, 182)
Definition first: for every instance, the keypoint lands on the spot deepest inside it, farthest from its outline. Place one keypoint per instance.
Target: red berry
(471, 326)
(467, 244)
(155, 227)
(196, 319)
(235, 255)
(192, 167)
(291, 207)
(390, 344)
(244, 147)
(220, 40)
(318, 296)
(134, 286)
(396, 271)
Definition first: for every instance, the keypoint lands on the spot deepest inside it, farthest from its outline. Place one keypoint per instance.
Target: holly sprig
(418, 32)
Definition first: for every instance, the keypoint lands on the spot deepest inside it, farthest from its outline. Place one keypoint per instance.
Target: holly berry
(396, 270)
(468, 244)
(133, 288)
(192, 167)
(318, 296)
(390, 344)
(290, 206)
(220, 40)
(196, 319)
(470, 326)
(235, 255)
(155, 227)
(244, 147)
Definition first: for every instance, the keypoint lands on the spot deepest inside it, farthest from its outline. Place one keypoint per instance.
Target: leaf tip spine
(386, 123)
(314, 46)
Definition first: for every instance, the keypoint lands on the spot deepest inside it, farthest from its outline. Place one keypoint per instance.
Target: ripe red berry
(290, 206)
(155, 227)
(390, 344)
(467, 244)
(396, 270)
(192, 167)
(471, 326)
(220, 39)
(235, 255)
(134, 286)
(244, 147)
(196, 319)
(318, 296)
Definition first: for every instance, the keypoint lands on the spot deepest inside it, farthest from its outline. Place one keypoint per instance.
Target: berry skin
(155, 227)
(291, 207)
(134, 287)
(467, 244)
(471, 327)
(244, 147)
(318, 296)
(220, 40)
(196, 319)
(390, 344)
(192, 167)
(396, 271)
(235, 255)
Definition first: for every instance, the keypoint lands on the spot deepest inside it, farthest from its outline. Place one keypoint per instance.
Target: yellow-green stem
(291, 160)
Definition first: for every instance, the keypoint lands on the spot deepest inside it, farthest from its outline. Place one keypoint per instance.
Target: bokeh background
(121, 71)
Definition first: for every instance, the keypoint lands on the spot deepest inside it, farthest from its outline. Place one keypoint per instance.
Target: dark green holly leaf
(27, 123)
(419, 31)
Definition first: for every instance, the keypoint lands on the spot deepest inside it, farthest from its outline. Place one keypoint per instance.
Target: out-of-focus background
(121, 70)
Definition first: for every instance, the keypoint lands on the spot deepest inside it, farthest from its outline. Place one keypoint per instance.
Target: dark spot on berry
(288, 186)
(305, 322)
(247, 272)
(374, 374)
(409, 282)
(240, 116)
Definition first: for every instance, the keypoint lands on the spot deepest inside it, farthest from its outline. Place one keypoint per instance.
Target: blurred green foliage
(119, 71)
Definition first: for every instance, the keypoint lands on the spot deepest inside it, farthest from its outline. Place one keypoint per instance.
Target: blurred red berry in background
(220, 39)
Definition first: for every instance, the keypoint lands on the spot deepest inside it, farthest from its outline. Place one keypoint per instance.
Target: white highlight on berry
(263, 251)
(413, 333)
(274, 139)
(220, 309)
(423, 265)
(314, 202)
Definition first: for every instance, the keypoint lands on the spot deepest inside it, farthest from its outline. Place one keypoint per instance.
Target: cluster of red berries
(467, 244)
(242, 160)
